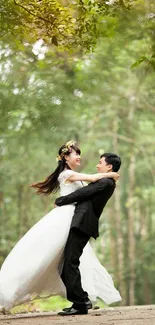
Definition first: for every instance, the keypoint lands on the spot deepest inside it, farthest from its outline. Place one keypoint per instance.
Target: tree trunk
(19, 205)
(146, 289)
(118, 213)
(131, 238)
(113, 254)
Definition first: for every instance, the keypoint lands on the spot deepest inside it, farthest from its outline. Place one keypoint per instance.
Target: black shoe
(88, 304)
(73, 311)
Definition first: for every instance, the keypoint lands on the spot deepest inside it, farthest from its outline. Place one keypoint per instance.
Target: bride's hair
(51, 183)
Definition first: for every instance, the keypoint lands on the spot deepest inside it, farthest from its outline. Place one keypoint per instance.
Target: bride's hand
(113, 175)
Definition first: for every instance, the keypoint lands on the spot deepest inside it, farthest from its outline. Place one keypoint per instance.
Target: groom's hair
(112, 159)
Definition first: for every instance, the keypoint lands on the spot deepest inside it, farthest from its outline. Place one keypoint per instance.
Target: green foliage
(74, 25)
(50, 304)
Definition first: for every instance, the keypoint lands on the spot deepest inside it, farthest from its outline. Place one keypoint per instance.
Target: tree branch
(31, 13)
(119, 136)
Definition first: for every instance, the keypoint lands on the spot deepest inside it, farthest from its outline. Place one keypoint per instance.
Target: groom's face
(103, 167)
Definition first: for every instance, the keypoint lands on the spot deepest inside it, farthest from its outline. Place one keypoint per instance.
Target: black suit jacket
(90, 200)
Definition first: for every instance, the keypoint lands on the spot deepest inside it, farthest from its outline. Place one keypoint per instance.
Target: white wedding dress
(32, 269)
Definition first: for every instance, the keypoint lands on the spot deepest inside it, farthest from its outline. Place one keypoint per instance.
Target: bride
(33, 267)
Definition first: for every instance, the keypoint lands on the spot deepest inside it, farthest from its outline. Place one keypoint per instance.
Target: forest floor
(135, 315)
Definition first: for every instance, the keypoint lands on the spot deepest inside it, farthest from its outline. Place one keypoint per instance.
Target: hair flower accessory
(58, 158)
(67, 149)
(70, 143)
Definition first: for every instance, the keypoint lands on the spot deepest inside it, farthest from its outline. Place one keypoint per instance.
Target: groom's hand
(58, 201)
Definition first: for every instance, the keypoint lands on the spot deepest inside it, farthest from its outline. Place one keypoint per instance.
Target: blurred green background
(101, 94)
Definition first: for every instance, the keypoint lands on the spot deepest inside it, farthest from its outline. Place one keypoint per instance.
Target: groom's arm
(85, 193)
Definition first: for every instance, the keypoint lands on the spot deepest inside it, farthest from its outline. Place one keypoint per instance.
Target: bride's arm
(92, 177)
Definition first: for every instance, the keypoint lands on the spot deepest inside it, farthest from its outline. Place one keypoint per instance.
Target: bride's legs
(71, 275)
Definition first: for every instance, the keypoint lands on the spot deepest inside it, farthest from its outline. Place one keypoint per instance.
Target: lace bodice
(68, 187)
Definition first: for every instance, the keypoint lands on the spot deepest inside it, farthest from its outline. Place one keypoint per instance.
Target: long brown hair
(51, 183)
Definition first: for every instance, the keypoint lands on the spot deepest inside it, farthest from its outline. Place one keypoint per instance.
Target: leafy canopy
(72, 25)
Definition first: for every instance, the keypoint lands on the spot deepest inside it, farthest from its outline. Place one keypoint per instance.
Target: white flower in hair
(66, 149)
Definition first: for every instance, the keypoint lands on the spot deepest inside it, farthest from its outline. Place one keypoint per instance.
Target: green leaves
(142, 59)
(149, 62)
(75, 25)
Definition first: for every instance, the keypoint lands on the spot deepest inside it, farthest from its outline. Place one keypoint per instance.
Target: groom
(90, 201)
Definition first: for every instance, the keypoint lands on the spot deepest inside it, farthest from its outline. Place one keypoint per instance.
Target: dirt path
(137, 315)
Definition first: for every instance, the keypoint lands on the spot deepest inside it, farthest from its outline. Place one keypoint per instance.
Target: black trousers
(71, 274)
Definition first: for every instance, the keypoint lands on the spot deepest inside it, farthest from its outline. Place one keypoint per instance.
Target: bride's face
(73, 160)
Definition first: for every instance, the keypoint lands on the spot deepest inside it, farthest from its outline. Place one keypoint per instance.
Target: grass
(50, 304)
